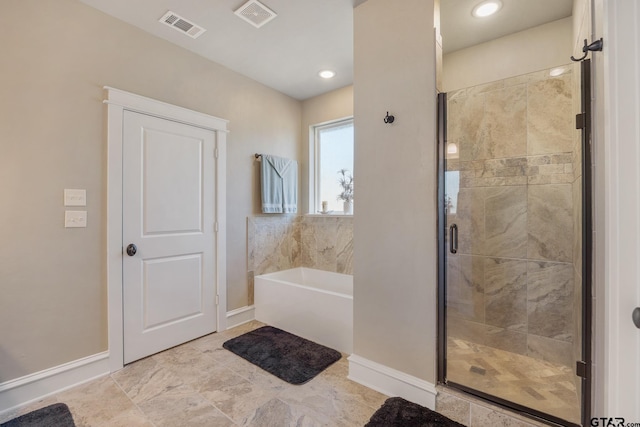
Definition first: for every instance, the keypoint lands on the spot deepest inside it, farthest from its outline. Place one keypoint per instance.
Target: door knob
(131, 249)
(636, 317)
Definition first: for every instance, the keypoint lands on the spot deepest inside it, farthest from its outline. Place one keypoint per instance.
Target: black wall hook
(388, 118)
(596, 46)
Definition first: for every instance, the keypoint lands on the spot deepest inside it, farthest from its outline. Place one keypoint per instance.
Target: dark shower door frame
(583, 367)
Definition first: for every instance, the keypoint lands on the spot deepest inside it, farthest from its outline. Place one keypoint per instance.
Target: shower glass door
(512, 200)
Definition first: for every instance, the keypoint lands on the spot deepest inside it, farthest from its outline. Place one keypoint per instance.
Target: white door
(169, 289)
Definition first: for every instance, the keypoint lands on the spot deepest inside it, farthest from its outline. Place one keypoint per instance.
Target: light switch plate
(75, 219)
(75, 197)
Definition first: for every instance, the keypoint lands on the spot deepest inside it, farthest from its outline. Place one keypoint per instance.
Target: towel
(279, 184)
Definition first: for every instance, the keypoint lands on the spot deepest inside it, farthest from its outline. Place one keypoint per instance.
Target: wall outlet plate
(75, 219)
(75, 197)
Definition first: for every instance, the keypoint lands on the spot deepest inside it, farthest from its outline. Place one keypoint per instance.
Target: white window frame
(314, 159)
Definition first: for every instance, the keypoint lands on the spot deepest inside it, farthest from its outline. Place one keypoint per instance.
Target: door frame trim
(442, 223)
(118, 102)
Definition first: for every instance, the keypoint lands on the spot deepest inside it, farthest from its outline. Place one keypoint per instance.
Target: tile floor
(201, 384)
(534, 383)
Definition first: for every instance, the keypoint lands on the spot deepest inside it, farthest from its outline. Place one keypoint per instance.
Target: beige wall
(52, 122)
(581, 25)
(333, 105)
(538, 48)
(395, 240)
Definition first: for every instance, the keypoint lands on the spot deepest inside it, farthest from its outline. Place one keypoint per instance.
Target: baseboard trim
(24, 390)
(240, 316)
(392, 382)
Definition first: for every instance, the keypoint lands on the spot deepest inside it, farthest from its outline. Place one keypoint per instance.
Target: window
(331, 151)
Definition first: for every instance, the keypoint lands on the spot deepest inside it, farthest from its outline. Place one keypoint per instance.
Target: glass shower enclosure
(512, 231)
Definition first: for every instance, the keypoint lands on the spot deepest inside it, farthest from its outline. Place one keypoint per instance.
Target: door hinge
(215, 226)
(581, 121)
(215, 152)
(217, 299)
(581, 369)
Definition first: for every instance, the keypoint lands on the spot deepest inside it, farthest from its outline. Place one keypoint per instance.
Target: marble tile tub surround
(512, 284)
(276, 243)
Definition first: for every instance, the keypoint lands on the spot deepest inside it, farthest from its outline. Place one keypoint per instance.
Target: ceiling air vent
(180, 24)
(255, 13)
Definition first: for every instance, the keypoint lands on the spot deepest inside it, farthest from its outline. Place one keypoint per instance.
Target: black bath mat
(289, 357)
(56, 415)
(397, 412)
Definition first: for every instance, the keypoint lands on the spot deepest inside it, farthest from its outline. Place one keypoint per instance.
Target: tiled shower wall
(281, 242)
(511, 284)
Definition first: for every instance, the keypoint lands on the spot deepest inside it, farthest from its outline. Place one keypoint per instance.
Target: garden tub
(314, 304)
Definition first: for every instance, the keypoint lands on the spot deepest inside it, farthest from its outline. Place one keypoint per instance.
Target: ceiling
(460, 29)
(308, 36)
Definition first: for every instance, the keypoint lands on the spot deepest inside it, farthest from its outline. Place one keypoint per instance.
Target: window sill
(330, 215)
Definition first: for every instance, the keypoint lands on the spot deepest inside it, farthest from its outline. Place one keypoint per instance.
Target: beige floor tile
(219, 378)
(188, 364)
(189, 409)
(328, 402)
(132, 418)
(240, 401)
(146, 379)
(276, 413)
(96, 403)
(335, 377)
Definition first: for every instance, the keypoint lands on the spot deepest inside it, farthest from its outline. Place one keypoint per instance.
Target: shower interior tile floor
(534, 383)
(201, 384)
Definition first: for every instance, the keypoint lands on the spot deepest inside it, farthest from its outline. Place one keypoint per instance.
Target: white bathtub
(314, 304)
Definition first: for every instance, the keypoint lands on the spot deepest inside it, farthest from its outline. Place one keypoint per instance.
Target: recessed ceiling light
(556, 72)
(327, 74)
(486, 8)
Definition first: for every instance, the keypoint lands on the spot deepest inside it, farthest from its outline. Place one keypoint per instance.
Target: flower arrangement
(345, 179)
